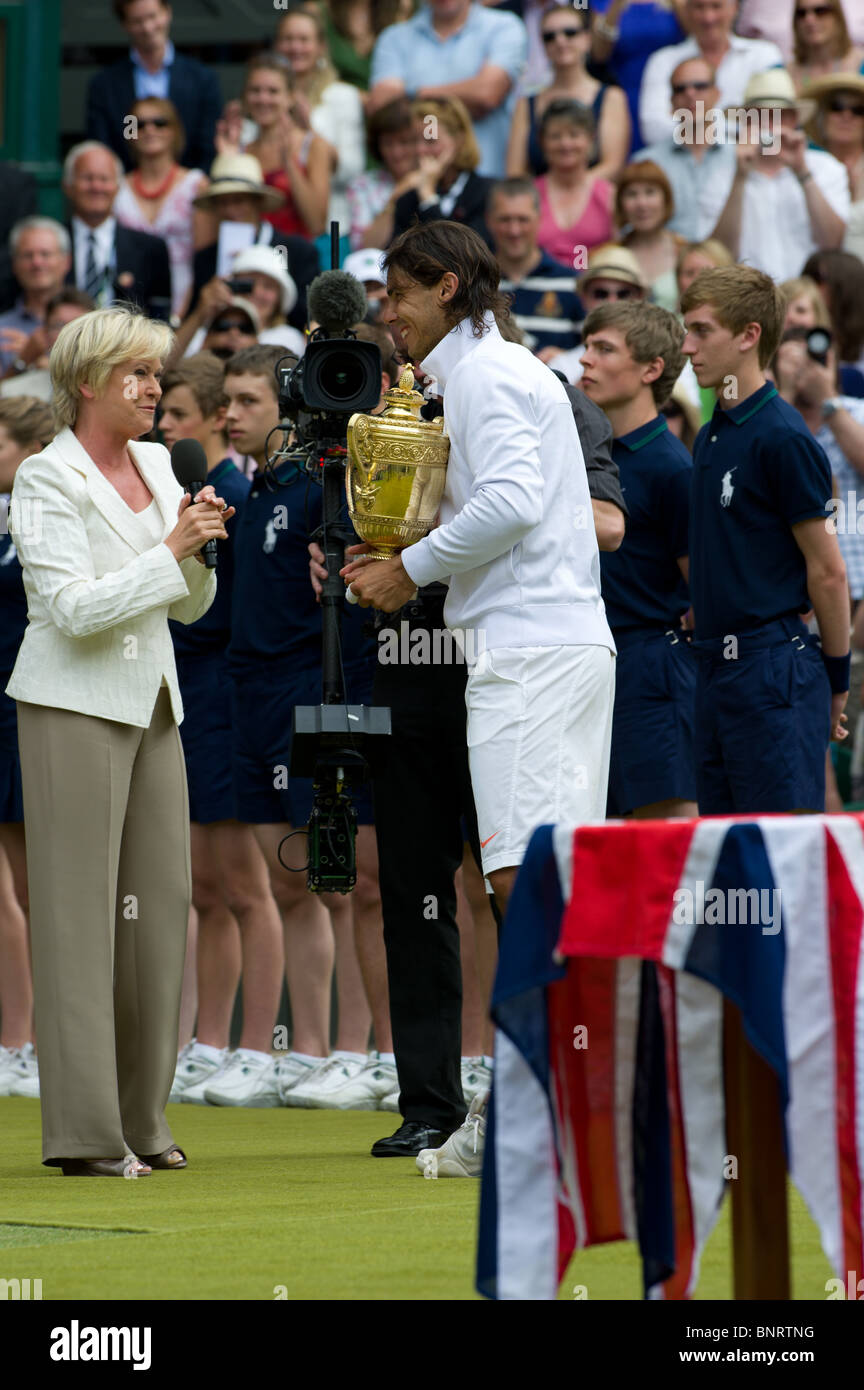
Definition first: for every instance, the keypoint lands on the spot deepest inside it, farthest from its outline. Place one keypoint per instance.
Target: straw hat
(266, 260)
(611, 262)
(239, 173)
(820, 89)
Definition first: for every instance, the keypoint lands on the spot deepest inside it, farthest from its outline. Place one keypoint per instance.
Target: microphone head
(189, 462)
(336, 301)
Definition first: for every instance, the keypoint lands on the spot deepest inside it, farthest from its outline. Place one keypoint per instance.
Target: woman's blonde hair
(802, 287)
(325, 73)
(28, 420)
(453, 115)
(89, 348)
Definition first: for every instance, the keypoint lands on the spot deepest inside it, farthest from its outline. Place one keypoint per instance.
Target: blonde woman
(109, 547)
(445, 183)
(293, 158)
(26, 426)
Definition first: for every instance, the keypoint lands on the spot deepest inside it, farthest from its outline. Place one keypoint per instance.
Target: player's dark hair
(427, 251)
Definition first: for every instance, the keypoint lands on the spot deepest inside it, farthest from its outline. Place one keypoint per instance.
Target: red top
(285, 219)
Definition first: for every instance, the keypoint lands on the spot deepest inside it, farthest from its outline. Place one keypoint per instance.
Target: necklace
(159, 191)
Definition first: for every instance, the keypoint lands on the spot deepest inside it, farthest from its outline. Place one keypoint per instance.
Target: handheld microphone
(336, 301)
(189, 462)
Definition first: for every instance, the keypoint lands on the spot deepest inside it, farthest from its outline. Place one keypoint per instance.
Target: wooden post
(754, 1135)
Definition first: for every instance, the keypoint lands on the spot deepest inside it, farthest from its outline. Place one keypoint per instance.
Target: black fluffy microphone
(189, 462)
(336, 301)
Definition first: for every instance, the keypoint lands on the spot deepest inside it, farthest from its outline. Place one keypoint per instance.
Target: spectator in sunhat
(366, 267)
(786, 201)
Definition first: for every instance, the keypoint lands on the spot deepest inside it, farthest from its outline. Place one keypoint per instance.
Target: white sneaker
(246, 1079)
(373, 1081)
(314, 1091)
(390, 1102)
(294, 1071)
(194, 1067)
(24, 1073)
(8, 1071)
(460, 1156)
(476, 1078)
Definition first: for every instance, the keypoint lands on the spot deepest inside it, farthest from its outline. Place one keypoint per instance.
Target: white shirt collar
(455, 345)
(138, 62)
(104, 233)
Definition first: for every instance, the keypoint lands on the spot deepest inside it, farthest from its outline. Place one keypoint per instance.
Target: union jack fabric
(606, 1120)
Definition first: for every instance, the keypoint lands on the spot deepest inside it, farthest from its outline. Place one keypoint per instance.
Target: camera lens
(343, 376)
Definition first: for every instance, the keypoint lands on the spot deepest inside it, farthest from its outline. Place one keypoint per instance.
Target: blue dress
(643, 29)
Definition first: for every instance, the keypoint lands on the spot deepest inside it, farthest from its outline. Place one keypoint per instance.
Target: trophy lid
(403, 400)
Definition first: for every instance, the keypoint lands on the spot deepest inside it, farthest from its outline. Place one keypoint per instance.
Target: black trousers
(423, 811)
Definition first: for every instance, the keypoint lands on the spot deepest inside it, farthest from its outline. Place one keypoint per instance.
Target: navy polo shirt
(642, 584)
(212, 632)
(546, 306)
(757, 472)
(275, 617)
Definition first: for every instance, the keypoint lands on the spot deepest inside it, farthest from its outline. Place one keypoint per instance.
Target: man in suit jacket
(110, 261)
(154, 69)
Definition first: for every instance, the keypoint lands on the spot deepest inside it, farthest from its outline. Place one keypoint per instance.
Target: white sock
(389, 1057)
(348, 1056)
(251, 1052)
(212, 1054)
(306, 1057)
(488, 1062)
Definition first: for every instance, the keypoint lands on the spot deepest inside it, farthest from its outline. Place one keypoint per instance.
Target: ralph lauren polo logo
(726, 488)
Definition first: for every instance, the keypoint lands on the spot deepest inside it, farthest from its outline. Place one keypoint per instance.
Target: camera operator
(275, 662)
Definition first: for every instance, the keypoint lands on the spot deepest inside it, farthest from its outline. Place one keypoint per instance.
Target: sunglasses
(820, 10)
(225, 326)
(837, 104)
(679, 88)
(626, 292)
(160, 122)
(550, 35)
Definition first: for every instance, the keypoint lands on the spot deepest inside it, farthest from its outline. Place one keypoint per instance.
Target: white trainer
(476, 1078)
(24, 1073)
(8, 1071)
(390, 1102)
(195, 1067)
(314, 1091)
(292, 1069)
(373, 1081)
(460, 1156)
(247, 1079)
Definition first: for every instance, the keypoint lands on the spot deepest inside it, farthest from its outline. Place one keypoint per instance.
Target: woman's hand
(229, 129)
(301, 111)
(215, 296)
(198, 524)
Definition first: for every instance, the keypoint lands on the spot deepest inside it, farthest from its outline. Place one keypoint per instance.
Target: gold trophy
(397, 466)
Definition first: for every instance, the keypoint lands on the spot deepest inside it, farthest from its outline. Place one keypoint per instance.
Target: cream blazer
(99, 592)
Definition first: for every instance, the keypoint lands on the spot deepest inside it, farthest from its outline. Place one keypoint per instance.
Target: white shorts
(539, 729)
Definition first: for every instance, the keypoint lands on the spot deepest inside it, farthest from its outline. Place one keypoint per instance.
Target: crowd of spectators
(605, 153)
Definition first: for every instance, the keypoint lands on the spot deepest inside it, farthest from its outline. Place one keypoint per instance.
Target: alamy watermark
(722, 907)
(420, 647)
(754, 125)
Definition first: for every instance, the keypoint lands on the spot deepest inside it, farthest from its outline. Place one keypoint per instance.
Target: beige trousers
(106, 814)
